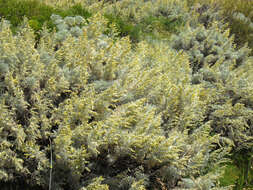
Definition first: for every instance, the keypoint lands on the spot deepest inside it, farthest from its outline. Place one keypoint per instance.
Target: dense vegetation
(126, 94)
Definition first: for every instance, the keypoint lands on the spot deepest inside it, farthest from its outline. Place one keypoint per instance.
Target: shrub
(120, 117)
(239, 15)
(219, 65)
(215, 62)
(207, 42)
(130, 116)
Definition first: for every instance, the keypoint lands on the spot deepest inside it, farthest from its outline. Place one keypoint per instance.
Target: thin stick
(51, 165)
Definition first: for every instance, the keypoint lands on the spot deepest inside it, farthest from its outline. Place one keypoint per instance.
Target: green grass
(37, 13)
(125, 27)
(230, 176)
(239, 172)
(164, 26)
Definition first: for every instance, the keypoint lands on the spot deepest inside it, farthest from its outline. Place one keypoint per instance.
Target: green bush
(75, 10)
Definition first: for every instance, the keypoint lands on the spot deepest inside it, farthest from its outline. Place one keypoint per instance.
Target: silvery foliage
(5, 63)
(68, 26)
(4, 23)
(4, 68)
(243, 19)
(187, 183)
(208, 44)
(206, 15)
(205, 46)
(74, 26)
